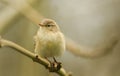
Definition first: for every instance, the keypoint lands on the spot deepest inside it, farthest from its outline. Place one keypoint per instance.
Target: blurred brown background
(88, 22)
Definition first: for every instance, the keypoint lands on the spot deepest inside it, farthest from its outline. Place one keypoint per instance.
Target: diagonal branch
(31, 55)
(24, 7)
(8, 15)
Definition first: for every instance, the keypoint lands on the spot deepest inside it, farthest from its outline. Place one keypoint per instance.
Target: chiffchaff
(49, 40)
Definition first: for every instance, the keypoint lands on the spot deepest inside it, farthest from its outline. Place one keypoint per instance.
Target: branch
(98, 51)
(9, 14)
(31, 55)
(24, 7)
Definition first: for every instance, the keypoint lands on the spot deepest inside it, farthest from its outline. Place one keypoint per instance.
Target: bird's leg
(55, 60)
(57, 64)
(51, 67)
(54, 66)
(47, 59)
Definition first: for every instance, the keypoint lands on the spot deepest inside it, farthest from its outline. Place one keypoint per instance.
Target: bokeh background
(88, 22)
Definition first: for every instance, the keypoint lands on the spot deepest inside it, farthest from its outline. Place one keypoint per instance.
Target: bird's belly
(51, 48)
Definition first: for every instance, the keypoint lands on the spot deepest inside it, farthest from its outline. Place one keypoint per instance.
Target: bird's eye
(48, 25)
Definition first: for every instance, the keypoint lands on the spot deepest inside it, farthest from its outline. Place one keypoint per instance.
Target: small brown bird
(49, 40)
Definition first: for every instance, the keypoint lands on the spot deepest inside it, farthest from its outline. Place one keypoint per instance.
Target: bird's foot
(55, 66)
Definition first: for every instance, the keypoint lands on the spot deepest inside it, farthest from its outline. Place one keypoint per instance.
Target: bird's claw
(55, 66)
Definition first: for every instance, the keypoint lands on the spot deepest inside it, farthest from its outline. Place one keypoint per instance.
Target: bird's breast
(52, 44)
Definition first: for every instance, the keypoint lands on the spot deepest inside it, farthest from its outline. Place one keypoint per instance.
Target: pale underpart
(49, 43)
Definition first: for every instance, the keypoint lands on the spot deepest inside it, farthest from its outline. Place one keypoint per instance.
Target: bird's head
(49, 25)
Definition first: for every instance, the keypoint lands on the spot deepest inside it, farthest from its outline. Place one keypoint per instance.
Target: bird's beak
(40, 24)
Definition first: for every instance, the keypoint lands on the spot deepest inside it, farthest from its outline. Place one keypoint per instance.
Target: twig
(98, 51)
(9, 14)
(31, 55)
(23, 7)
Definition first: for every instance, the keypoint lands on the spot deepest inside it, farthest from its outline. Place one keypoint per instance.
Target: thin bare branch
(8, 14)
(23, 7)
(98, 51)
(31, 55)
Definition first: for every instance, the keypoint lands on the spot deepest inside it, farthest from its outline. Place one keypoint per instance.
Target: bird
(49, 40)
